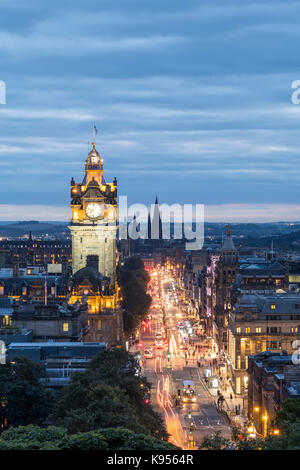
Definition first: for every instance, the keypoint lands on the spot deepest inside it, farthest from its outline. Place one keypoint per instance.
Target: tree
(24, 399)
(56, 438)
(108, 394)
(133, 280)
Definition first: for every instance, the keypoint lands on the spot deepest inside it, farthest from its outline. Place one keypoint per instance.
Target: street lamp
(265, 420)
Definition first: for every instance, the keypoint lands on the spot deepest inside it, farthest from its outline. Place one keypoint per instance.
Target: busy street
(173, 359)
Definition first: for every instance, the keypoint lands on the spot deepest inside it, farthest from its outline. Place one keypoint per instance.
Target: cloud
(191, 100)
(212, 213)
(252, 213)
(12, 212)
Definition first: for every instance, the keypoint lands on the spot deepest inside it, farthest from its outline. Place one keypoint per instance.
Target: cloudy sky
(192, 101)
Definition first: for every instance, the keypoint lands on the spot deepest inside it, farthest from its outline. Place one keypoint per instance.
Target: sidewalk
(232, 406)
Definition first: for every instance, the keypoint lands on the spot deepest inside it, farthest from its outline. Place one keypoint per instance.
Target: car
(148, 353)
(188, 391)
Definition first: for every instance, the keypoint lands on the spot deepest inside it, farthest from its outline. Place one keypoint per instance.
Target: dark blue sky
(192, 101)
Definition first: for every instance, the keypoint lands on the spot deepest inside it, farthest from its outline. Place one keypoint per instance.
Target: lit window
(273, 306)
(247, 330)
(238, 330)
(99, 325)
(66, 327)
(258, 330)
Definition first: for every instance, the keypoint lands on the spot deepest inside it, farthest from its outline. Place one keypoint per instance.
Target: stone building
(226, 271)
(94, 251)
(262, 276)
(93, 218)
(105, 317)
(273, 377)
(54, 321)
(258, 323)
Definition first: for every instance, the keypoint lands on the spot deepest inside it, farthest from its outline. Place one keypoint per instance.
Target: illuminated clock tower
(93, 218)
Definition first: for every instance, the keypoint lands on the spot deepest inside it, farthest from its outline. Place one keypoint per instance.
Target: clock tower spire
(94, 166)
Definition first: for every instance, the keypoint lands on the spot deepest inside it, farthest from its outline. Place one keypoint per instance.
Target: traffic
(170, 347)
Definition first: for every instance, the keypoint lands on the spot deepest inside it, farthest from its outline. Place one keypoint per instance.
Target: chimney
(92, 261)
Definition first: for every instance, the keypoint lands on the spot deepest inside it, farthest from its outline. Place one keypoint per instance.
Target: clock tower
(94, 218)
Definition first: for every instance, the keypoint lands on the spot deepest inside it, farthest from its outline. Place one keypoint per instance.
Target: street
(174, 362)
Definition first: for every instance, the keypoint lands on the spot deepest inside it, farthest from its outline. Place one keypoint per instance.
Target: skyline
(191, 102)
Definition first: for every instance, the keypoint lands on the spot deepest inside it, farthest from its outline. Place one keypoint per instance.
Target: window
(273, 344)
(66, 327)
(258, 330)
(99, 324)
(273, 307)
(238, 362)
(238, 330)
(277, 282)
(1, 290)
(258, 346)
(273, 317)
(273, 329)
(294, 330)
(247, 330)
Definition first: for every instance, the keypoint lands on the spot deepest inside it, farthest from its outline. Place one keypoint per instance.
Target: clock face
(93, 210)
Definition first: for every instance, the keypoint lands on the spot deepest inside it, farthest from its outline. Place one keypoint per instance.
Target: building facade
(94, 218)
(273, 378)
(226, 272)
(94, 252)
(257, 323)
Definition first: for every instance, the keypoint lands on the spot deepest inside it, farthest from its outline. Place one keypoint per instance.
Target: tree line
(101, 408)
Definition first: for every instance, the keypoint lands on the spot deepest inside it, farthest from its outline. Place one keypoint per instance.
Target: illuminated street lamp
(251, 431)
(265, 420)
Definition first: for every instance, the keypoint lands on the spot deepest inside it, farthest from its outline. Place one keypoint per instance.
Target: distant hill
(260, 234)
(287, 241)
(19, 229)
